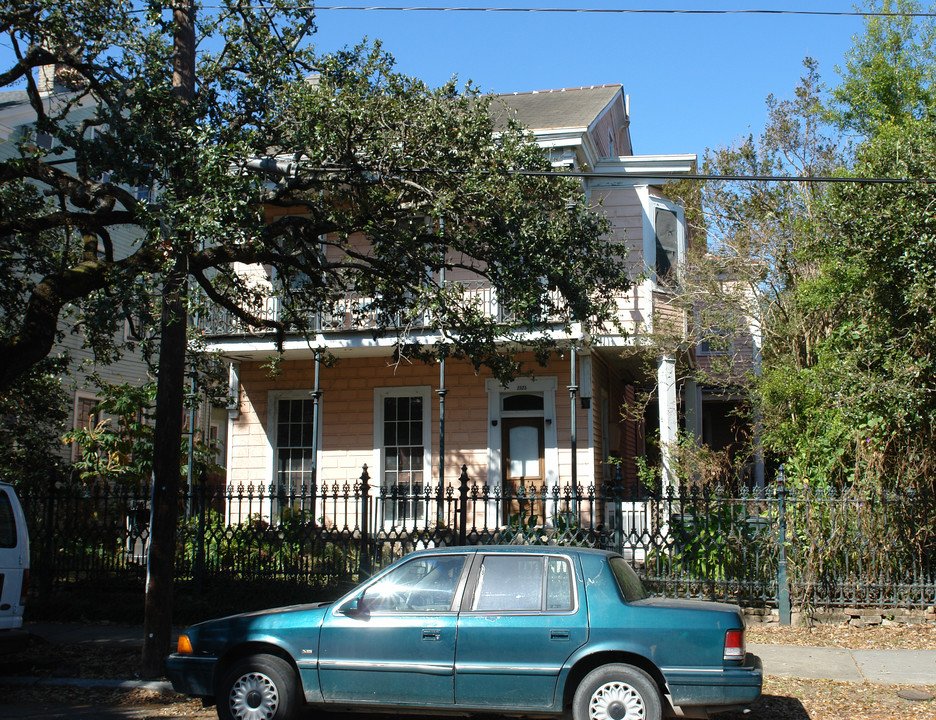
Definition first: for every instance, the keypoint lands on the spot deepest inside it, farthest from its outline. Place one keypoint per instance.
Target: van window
(7, 522)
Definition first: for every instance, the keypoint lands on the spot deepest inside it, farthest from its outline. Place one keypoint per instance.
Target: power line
(618, 11)
(292, 168)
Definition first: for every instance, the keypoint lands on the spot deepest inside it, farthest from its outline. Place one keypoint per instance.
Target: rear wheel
(617, 692)
(258, 687)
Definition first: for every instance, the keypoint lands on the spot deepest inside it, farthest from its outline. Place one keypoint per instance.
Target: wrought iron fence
(755, 548)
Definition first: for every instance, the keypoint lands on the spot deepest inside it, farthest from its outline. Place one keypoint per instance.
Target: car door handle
(558, 634)
(432, 635)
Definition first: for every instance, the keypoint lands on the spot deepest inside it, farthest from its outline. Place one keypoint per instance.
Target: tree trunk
(167, 455)
(170, 395)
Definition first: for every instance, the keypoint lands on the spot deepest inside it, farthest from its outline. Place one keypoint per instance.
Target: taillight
(734, 645)
(25, 588)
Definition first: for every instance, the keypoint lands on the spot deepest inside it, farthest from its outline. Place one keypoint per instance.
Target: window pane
(631, 587)
(294, 440)
(403, 453)
(509, 582)
(666, 241)
(523, 403)
(558, 585)
(524, 451)
(7, 522)
(423, 585)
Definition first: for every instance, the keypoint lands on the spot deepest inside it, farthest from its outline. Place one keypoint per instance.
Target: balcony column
(669, 418)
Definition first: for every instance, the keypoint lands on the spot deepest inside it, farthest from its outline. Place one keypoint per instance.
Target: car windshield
(627, 580)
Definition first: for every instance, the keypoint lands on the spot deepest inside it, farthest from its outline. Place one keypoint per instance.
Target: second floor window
(666, 226)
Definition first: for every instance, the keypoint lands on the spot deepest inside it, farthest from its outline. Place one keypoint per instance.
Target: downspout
(442, 392)
(316, 397)
(573, 392)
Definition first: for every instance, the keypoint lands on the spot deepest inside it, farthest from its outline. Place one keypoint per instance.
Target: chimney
(57, 78)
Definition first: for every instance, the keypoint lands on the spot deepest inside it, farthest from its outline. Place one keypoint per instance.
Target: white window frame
(273, 399)
(651, 204)
(378, 481)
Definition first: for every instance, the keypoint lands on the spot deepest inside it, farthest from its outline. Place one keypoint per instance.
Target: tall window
(294, 447)
(403, 436)
(86, 417)
(667, 245)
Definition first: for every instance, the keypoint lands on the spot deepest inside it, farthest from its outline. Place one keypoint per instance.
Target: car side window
(7, 522)
(515, 583)
(427, 584)
(558, 584)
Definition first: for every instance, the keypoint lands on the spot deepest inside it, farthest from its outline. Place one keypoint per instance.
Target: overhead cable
(620, 11)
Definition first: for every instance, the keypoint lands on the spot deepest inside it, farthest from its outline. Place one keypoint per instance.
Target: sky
(694, 81)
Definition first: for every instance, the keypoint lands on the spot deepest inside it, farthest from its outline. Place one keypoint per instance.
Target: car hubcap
(616, 701)
(254, 697)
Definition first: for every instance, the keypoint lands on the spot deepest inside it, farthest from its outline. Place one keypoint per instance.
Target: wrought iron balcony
(353, 312)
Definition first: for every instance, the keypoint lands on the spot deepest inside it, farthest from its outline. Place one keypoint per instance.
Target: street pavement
(888, 667)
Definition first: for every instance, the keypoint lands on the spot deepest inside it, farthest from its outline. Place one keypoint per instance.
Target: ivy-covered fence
(773, 547)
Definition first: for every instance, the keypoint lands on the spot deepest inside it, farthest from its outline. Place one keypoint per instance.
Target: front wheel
(617, 692)
(258, 687)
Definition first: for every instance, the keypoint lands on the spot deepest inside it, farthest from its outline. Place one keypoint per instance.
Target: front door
(524, 467)
(395, 642)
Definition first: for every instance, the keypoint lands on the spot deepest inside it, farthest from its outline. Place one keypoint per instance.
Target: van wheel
(258, 687)
(617, 692)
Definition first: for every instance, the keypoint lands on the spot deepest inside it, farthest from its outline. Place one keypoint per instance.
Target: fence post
(618, 495)
(47, 554)
(463, 506)
(365, 564)
(783, 583)
(202, 500)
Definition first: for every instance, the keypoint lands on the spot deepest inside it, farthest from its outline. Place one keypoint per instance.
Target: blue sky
(694, 81)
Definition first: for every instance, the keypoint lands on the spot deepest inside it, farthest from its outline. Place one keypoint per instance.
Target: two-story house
(416, 425)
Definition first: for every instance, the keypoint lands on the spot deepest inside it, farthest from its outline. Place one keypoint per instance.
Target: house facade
(416, 425)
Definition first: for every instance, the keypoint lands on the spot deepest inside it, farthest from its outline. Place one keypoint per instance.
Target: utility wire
(618, 11)
(294, 168)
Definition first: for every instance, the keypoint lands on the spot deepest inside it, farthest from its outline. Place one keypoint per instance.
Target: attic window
(666, 228)
(611, 152)
(44, 140)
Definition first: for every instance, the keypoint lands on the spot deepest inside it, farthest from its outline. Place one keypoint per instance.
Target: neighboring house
(16, 128)
(312, 424)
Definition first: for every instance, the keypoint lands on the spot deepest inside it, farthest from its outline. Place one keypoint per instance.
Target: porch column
(669, 419)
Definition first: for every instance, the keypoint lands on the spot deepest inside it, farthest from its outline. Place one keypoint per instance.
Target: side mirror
(356, 607)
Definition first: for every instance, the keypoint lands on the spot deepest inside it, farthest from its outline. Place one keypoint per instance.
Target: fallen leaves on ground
(793, 699)
(904, 637)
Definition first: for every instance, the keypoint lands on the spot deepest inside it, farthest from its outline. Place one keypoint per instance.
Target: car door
(521, 619)
(394, 643)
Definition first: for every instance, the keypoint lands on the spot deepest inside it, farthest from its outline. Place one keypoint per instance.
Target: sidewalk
(887, 667)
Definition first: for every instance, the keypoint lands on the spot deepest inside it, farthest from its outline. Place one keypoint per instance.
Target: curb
(160, 686)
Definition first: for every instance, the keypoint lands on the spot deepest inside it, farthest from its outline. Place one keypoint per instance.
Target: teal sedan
(523, 631)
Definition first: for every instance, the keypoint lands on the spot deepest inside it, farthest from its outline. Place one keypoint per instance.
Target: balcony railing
(352, 312)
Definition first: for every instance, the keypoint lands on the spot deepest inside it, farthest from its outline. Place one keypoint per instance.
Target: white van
(14, 560)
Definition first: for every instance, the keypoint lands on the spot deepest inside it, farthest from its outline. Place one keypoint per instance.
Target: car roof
(525, 549)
